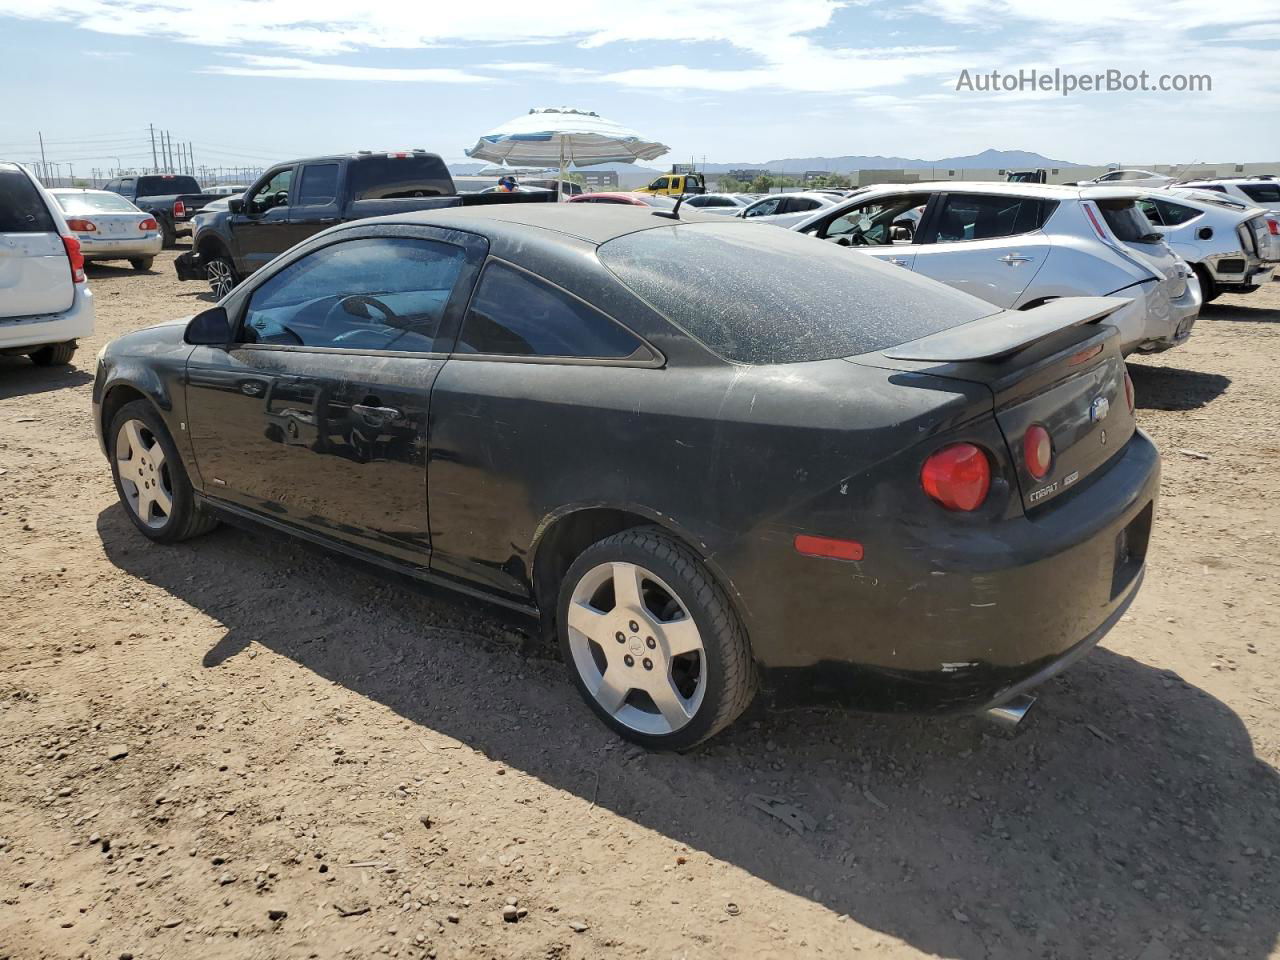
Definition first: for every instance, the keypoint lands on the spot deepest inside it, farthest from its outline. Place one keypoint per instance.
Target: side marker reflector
(827, 547)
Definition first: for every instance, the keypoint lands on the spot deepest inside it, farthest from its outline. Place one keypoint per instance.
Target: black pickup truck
(294, 200)
(169, 197)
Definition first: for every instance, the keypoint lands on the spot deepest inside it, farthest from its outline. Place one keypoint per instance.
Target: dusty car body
(1022, 244)
(613, 420)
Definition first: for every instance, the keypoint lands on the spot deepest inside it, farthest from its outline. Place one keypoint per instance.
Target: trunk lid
(35, 275)
(1058, 365)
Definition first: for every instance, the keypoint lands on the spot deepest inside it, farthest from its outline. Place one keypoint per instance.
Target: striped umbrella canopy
(564, 136)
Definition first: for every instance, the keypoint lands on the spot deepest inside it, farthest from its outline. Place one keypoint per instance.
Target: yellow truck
(675, 184)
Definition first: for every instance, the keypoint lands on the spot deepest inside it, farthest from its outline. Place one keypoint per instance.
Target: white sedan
(109, 227)
(788, 209)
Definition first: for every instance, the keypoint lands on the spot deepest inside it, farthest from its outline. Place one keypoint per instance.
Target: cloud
(294, 68)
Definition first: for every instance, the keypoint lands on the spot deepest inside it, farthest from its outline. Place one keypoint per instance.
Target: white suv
(1255, 191)
(1018, 245)
(44, 302)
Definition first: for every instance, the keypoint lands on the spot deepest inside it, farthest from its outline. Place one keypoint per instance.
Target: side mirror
(210, 328)
(1205, 233)
(236, 204)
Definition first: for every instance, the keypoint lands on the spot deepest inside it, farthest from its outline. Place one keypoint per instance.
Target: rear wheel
(222, 276)
(168, 236)
(150, 478)
(54, 354)
(142, 264)
(654, 646)
(1208, 288)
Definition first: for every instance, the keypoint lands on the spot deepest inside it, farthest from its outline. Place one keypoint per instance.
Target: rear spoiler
(1008, 331)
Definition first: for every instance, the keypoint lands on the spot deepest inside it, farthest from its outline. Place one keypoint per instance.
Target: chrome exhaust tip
(1009, 716)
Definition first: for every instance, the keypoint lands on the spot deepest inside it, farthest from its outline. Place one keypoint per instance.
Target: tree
(761, 184)
(731, 185)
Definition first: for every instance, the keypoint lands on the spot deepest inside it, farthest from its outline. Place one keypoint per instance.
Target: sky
(256, 81)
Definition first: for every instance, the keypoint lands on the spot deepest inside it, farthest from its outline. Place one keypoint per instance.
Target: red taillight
(75, 258)
(82, 226)
(1129, 396)
(1097, 227)
(179, 208)
(149, 224)
(958, 477)
(1273, 226)
(1037, 451)
(827, 547)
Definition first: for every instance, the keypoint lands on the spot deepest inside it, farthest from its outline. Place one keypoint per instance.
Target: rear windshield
(1127, 222)
(166, 186)
(1262, 192)
(399, 178)
(22, 209)
(758, 294)
(74, 203)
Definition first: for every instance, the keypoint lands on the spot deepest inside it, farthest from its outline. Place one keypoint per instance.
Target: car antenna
(674, 212)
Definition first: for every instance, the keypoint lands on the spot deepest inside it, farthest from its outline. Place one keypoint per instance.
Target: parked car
(650, 200)
(45, 305)
(567, 187)
(227, 190)
(1019, 245)
(1039, 175)
(172, 199)
(1127, 178)
(1256, 191)
(695, 449)
(723, 204)
(1232, 250)
(109, 227)
(787, 209)
(675, 185)
(295, 200)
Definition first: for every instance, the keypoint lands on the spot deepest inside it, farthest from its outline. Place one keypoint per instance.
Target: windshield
(1127, 222)
(773, 296)
(400, 178)
(94, 203)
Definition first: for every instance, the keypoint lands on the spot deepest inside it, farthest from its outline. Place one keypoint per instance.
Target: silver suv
(1018, 245)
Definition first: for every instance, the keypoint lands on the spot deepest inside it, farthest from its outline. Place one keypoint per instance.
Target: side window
(515, 314)
(127, 188)
(319, 184)
(1152, 211)
(22, 209)
(871, 224)
(273, 193)
(376, 293)
(764, 208)
(1168, 214)
(977, 217)
(659, 184)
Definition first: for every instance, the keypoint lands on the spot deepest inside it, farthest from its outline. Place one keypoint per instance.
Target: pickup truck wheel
(168, 237)
(54, 354)
(150, 478)
(142, 264)
(222, 276)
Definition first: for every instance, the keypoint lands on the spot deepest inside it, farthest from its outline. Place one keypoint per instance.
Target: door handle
(375, 415)
(1012, 259)
(898, 262)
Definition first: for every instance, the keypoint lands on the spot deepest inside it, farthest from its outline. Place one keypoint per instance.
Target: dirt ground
(323, 761)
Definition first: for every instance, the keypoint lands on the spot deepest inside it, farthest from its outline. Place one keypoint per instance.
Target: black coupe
(702, 451)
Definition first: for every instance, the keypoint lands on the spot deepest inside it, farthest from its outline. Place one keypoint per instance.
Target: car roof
(594, 223)
(1229, 181)
(1047, 191)
(80, 190)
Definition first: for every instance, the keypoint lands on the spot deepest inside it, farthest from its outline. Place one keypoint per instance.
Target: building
(745, 173)
(811, 176)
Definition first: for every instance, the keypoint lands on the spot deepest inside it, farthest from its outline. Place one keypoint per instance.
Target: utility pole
(167, 143)
(155, 164)
(44, 166)
(191, 159)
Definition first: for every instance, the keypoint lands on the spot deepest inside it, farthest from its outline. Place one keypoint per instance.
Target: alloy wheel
(221, 279)
(637, 648)
(144, 474)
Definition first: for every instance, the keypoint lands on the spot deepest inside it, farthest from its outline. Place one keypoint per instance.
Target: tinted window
(319, 183)
(22, 209)
(764, 208)
(1262, 192)
(399, 178)
(718, 202)
(74, 203)
(1169, 214)
(775, 296)
(166, 186)
(273, 193)
(971, 217)
(379, 293)
(1127, 222)
(516, 314)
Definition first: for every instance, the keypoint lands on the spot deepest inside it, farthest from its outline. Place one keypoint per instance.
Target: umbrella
(563, 135)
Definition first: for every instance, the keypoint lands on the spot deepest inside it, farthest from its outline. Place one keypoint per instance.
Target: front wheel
(222, 276)
(652, 642)
(150, 479)
(142, 264)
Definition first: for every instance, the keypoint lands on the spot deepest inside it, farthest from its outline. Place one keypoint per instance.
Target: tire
(222, 276)
(142, 264)
(675, 603)
(158, 498)
(1209, 290)
(54, 354)
(168, 236)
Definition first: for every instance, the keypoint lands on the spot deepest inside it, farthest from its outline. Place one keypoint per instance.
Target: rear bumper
(1173, 328)
(101, 249)
(17, 333)
(958, 619)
